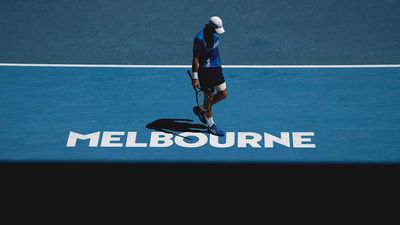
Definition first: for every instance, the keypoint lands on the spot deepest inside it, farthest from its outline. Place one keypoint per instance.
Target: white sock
(210, 121)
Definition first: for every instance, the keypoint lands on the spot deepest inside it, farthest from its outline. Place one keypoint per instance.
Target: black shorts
(210, 77)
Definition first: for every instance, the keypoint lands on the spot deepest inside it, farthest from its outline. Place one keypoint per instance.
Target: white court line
(189, 66)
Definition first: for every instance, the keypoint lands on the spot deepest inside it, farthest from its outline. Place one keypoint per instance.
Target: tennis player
(206, 70)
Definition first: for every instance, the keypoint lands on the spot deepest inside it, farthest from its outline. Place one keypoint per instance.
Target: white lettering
(164, 138)
(270, 139)
(73, 137)
(230, 140)
(107, 139)
(131, 141)
(249, 138)
(180, 140)
(298, 140)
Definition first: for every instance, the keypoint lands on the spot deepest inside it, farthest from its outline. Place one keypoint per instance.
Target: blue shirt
(208, 55)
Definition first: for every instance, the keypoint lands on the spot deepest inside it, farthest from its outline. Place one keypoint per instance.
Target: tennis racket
(197, 89)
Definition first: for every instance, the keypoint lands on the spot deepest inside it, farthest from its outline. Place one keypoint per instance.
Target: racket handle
(189, 73)
(190, 76)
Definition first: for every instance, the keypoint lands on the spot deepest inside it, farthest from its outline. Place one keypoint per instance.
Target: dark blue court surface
(354, 113)
(161, 32)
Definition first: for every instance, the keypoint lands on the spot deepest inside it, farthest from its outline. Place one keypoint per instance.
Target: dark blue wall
(161, 32)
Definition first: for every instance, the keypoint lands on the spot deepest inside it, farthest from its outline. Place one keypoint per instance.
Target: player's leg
(208, 83)
(220, 86)
(212, 127)
(217, 83)
(208, 99)
(222, 93)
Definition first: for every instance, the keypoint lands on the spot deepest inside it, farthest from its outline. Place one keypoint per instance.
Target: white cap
(217, 23)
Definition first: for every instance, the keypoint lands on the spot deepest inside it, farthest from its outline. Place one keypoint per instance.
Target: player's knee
(224, 94)
(207, 102)
(210, 97)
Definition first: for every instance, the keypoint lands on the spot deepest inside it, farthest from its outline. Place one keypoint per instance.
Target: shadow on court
(172, 126)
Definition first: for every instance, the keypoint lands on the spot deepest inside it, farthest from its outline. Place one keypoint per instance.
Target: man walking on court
(206, 70)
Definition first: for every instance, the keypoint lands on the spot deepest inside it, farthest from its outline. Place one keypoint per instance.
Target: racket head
(199, 93)
(199, 96)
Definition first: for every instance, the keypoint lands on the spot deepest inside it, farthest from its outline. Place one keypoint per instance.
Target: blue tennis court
(67, 97)
(354, 113)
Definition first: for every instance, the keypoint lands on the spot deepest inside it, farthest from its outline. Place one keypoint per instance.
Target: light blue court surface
(355, 113)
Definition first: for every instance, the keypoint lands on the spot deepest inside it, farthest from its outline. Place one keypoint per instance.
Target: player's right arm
(195, 70)
(195, 63)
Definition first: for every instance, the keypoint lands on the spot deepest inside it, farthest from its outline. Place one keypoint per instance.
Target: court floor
(354, 113)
